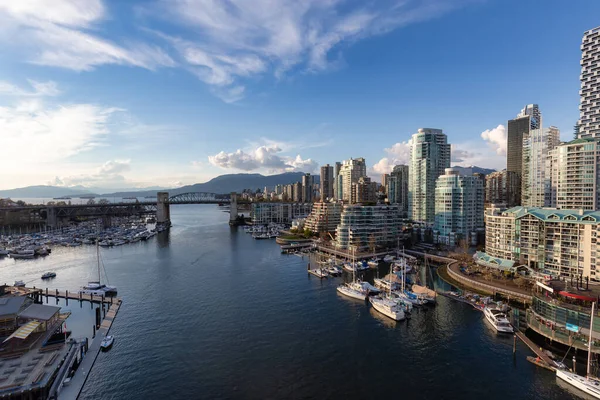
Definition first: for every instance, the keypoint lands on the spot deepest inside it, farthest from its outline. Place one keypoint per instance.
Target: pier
(535, 348)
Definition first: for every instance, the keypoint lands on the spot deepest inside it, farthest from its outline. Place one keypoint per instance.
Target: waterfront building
(363, 227)
(563, 242)
(350, 171)
(528, 119)
(324, 217)
(589, 105)
(263, 213)
(429, 157)
(326, 182)
(397, 188)
(535, 178)
(502, 187)
(458, 207)
(575, 175)
(307, 188)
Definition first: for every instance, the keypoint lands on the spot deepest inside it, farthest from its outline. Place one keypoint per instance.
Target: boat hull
(351, 293)
(395, 315)
(584, 384)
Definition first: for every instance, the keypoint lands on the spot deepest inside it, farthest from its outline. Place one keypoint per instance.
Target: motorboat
(407, 306)
(318, 272)
(498, 320)
(389, 308)
(349, 291)
(49, 275)
(388, 258)
(98, 289)
(3, 252)
(107, 342)
(19, 284)
(17, 256)
(334, 270)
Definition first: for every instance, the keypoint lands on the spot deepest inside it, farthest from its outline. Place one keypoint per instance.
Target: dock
(37, 294)
(535, 348)
(76, 384)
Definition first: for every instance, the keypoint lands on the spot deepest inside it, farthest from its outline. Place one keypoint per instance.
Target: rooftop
(39, 312)
(11, 305)
(553, 214)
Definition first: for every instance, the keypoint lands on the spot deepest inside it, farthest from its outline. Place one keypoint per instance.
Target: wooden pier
(536, 349)
(36, 294)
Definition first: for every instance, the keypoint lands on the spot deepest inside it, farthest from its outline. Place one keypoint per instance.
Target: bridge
(53, 215)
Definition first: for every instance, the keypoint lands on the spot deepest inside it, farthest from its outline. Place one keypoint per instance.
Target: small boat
(3, 252)
(349, 291)
(498, 320)
(107, 342)
(389, 308)
(318, 272)
(373, 263)
(19, 284)
(26, 256)
(334, 270)
(49, 275)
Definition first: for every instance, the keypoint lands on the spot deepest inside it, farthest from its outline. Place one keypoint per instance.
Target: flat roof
(11, 305)
(39, 311)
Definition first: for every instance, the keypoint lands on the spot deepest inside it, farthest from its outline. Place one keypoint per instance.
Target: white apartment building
(535, 180)
(564, 242)
(459, 209)
(429, 157)
(589, 105)
(350, 171)
(575, 182)
(361, 227)
(280, 213)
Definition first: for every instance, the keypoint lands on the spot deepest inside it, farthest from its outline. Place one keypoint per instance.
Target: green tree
(103, 201)
(91, 202)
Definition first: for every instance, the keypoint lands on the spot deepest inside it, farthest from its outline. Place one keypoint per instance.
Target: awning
(24, 331)
(577, 296)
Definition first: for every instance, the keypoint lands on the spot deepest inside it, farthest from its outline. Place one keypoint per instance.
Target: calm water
(210, 313)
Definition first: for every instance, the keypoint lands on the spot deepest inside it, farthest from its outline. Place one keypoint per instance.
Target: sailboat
(587, 384)
(388, 307)
(352, 289)
(95, 287)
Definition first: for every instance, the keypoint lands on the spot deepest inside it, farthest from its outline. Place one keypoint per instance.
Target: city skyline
(110, 95)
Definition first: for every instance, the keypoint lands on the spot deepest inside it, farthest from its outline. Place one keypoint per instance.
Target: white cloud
(496, 139)
(39, 89)
(264, 157)
(237, 39)
(58, 33)
(398, 154)
(110, 174)
(460, 155)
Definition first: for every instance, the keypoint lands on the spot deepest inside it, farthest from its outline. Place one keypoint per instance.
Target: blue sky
(121, 94)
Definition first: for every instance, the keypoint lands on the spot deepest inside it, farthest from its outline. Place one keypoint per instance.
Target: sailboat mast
(589, 360)
(98, 257)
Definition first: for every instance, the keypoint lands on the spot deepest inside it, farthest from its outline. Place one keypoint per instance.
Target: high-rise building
(307, 188)
(458, 207)
(502, 187)
(364, 191)
(535, 178)
(350, 171)
(385, 180)
(326, 182)
(561, 241)
(429, 157)
(324, 217)
(397, 188)
(297, 192)
(337, 183)
(589, 105)
(529, 118)
(363, 227)
(575, 176)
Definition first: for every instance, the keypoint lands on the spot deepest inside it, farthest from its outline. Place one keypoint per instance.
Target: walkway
(535, 348)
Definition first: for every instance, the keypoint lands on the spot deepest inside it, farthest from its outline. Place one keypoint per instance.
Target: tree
(91, 202)
(21, 203)
(103, 201)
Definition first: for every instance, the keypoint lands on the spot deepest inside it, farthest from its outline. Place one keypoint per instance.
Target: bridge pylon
(163, 212)
(233, 210)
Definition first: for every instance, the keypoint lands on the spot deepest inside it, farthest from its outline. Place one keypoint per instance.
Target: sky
(132, 94)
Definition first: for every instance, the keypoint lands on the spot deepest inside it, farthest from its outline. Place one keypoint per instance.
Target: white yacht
(587, 384)
(498, 320)
(107, 342)
(350, 291)
(388, 308)
(95, 287)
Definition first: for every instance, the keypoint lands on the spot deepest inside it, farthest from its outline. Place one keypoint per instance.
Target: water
(210, 313)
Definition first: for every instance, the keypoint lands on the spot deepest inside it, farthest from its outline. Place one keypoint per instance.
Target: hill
(42, 191)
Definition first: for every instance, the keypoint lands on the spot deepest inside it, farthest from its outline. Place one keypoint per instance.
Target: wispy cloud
(49, 88)
(62, 33)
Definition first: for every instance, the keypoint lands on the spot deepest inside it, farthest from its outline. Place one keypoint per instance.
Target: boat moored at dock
(498, 320)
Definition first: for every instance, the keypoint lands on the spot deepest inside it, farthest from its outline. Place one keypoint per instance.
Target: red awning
(577, 296)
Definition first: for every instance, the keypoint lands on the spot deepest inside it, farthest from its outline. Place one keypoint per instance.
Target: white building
(535, 180)
(429, 157)
(459, 208)
(263, 213)
(575, 182)
(350, 171)
(362, 227)
(589, 106)
(397, 187)
(564, 242)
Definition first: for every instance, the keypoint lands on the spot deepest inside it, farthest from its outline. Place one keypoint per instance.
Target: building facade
(502, 187)
(364, 191)
(564, 242)
(324, 217)
(350, 171)
(458, 207)
(575, 175)
(364, 227)
(280, 213)
(589, 105)
(535, 178)
(429, 157)
(397, 188)
(298, 192)
(337, 183)
(326, 182)
(307, 188)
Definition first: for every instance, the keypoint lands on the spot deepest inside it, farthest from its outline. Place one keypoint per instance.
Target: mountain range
(223, 184)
